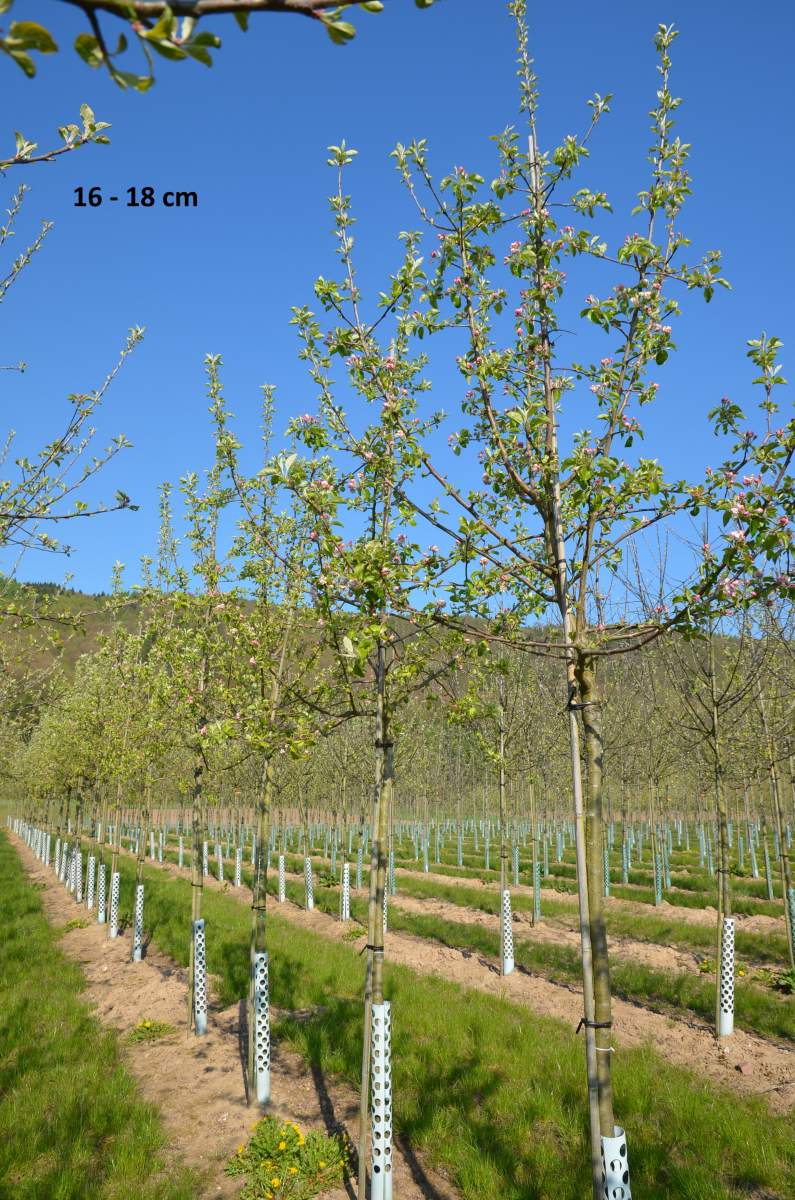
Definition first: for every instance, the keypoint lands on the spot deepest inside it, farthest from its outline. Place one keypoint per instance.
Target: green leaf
(163, 29)
(125, 79)
(89, 50)
(200, 54)
(340, 32)
(168, 50)
(33, 37)
(242, 20)
(5, 5)
(22, 60)
(206, 39)
(372, 6)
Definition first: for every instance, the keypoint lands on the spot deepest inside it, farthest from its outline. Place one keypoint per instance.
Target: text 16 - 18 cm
(145, 197)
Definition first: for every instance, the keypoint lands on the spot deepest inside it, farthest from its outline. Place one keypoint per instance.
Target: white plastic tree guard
(381, 1030)
(615, 1166)
(138, 924)
(726, 1010)
(262, 1028)
(238, 866)
(205, 859)
(310, 888)
(115, 883)
(79, 877)
(199, 977)
(282, 884)
(101, 894)
(386, 907)
(160, 845)
(151, 845)
(91, 875)
(507, 934)
(345, 893)
(181, 857)
(58, 856)
(220, 857)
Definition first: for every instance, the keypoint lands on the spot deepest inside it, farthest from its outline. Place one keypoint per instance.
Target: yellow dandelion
(301, 1139)
(275, 1182)
(322, 1164)
(282, 1145)
(240, 1148)
(293, 1170)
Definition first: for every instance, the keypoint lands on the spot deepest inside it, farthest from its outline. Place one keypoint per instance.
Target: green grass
(755, 1009)
(492, 1093)
(761, 948)
(72, 1126)
(666, 931)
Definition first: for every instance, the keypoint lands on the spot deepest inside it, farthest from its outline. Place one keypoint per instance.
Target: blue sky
(250, 136)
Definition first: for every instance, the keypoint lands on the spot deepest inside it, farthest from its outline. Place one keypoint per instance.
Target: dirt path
(198, 1083)
(743, 1063)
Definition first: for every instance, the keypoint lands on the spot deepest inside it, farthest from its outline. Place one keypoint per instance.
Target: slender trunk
(259, 894)
(592, 724)
(786, 876)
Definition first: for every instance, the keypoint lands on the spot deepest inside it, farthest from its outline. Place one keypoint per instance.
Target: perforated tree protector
(381, 1077)
(506, 931)
(181, 858)
(205, 859)
(282, 885)
(537, 892)
(220, 857)
(63, 862)
(359, 868)
(726, 1013)
(615, 1167)
(160, 845)
(310, 887)
(101, 894)
(262, 1028)
(79, 877)
(138, 923)
(199, 977)
(345, 893)
(238, 867)
(151, 845)
(90, 882)
(115, 883)
(384, 908)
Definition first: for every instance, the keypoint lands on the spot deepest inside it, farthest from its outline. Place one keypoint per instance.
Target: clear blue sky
(250, 135)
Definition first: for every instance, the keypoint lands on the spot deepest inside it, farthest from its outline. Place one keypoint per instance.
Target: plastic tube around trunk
(381, 1026)
(115, 882)
(262, 1028)
(726, 1013)
(507, 934)
(345, 893)
(615, 1166)
(199, 977)
(138, 923)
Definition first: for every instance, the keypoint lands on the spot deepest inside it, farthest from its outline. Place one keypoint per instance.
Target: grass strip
(72, 1126)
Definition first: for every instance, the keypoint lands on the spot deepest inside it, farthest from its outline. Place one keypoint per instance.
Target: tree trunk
(585, 667)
